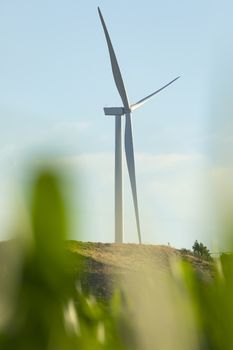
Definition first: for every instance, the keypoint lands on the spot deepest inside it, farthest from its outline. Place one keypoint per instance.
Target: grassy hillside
(103, 264)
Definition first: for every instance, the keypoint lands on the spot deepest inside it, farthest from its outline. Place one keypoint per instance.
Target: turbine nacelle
(116, 111)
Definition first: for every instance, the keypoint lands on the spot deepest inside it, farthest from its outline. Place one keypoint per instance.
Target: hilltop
(101, 264)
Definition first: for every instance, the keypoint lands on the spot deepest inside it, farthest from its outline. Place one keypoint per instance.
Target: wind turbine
(118, 112)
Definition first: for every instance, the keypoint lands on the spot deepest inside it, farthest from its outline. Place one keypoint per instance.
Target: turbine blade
(115, 67)
(141, 102)
(129, 152)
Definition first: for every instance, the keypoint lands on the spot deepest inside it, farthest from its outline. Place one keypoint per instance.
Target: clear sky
(55, 79)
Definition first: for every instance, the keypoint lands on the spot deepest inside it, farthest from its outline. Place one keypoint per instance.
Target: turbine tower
(118, 112)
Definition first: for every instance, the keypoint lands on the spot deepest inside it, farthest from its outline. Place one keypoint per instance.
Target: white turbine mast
(118, 112)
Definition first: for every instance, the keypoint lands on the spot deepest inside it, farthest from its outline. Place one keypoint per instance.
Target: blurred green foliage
(46, 309)
(42, 306)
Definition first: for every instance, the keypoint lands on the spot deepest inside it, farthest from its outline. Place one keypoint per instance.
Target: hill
(101, 265)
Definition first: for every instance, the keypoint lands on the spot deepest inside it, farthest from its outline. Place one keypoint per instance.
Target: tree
(201, 250)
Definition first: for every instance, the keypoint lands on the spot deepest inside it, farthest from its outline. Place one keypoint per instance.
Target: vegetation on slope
(104, 264)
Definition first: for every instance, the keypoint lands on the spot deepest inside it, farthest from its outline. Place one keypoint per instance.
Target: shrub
(186, 251)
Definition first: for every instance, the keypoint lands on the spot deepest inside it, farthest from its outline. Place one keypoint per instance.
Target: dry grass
(104, 263)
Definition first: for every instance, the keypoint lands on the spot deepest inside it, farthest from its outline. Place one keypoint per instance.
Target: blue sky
(56, 79)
